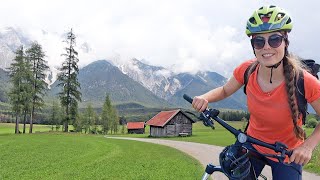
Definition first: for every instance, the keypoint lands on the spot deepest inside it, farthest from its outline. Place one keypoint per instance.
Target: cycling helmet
(234, 162)
(268, 19)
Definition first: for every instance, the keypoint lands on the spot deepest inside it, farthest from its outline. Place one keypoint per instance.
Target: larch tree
(106, 115)
(68, 81)
(21, 77)
(35, 56)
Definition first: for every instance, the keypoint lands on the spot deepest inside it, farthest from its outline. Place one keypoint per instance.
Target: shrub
(311, 123)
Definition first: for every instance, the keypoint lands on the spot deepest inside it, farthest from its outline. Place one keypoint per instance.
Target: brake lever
(206, 121)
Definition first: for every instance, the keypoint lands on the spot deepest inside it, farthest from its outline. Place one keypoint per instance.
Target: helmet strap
(272, 67)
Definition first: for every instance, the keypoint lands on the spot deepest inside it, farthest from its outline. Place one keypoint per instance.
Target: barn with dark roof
(136, 127)
(170, 123)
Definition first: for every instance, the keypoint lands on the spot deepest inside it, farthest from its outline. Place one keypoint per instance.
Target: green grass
(8, 128)
(74, 156)
(201, 134)
(314, 163)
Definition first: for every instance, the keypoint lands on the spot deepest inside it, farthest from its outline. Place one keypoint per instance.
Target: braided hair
(292, 69)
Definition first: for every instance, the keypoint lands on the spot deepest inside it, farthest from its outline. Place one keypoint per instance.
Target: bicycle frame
(209, 114)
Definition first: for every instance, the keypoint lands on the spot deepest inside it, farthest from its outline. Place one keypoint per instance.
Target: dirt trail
(205, 154)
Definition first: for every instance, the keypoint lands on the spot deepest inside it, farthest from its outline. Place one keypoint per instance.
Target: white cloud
(186, 34)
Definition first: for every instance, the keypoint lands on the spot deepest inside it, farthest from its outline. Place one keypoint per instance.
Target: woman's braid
(290, 74)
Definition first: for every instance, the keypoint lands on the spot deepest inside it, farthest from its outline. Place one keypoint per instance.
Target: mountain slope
(4, 85)
(101, 77)
(157, 79)
(170, 86)
(202, 83)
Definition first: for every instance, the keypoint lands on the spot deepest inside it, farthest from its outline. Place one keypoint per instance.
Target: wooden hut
(136, 127)
(170, 123)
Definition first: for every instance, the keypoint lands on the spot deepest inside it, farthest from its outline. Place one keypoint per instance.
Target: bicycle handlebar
(213, 113)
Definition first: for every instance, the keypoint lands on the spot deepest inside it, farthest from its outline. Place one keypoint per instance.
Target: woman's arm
(302, 154)
(200, 103)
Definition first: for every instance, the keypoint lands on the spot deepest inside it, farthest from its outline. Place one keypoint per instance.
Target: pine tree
(109, 117)
(106, 115)
(35, 56)
(55, 115)
(89, 121)
(68, 80)
(21, 77)
(114, 120)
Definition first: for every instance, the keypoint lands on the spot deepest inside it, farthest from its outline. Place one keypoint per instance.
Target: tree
(114, 120)
(35, 56)
(55, 115)
(109, 117)
(70, 94)
(79, 122)
(20, 76)
(89, 118)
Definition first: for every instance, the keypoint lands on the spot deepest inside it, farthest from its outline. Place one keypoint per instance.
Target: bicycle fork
(209, 170)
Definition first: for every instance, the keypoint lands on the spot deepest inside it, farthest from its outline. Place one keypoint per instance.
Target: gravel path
(205, 154)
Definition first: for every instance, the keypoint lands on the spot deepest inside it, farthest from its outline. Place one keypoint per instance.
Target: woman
(274, 114)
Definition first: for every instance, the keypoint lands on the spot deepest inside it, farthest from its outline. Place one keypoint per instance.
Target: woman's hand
(199, 103)
(301, 155)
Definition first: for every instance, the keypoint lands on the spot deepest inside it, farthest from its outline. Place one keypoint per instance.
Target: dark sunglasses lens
(258, 42)
(275, 40)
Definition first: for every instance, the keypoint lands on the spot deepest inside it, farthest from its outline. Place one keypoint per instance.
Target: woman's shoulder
(239, 71)
(311, 86)
(247, 63)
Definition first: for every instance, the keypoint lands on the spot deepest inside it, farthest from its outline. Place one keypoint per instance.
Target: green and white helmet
(268, 19)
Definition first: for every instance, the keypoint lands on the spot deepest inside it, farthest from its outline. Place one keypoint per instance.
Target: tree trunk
(66, 125)
(31, 120)
(17, 125)
(24, 122)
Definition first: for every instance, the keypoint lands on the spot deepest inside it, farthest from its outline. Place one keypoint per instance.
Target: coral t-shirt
(270, 117)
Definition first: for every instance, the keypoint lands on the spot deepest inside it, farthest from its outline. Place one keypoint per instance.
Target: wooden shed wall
(178, 124)
(136, 131)
(157, 131)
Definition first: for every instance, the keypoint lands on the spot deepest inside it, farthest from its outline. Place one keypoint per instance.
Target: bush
(311, 123)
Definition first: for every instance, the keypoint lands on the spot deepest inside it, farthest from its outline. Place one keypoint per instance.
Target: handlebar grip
(188, 98)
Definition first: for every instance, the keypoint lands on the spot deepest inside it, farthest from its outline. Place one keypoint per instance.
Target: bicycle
(234, 159)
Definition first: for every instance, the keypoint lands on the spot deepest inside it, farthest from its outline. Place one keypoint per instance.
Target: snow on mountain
(157, 79)
(10, 40)
(52, 43)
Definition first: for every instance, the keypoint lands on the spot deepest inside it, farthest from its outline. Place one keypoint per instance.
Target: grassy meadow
(87, 143)
(78, 156)
(8, 128)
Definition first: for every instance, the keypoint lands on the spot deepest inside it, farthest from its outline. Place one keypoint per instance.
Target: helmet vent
(252, 20)
(289, 21)
(279, 16)
(272, 6)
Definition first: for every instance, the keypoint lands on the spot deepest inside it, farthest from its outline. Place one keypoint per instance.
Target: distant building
(136, 127)
(170, 123)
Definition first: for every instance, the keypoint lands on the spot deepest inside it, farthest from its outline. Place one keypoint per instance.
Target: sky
(183, 35)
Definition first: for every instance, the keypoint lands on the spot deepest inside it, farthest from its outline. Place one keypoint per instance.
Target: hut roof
(163, 117)
(135, 125)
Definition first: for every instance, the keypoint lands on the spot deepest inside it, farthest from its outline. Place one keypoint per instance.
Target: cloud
(186, 35)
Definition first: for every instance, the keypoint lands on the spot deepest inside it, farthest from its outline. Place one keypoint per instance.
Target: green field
(8, 128)
(76, 156)
(201, 134)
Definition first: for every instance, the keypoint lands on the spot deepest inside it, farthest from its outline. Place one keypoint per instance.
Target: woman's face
(269, 54)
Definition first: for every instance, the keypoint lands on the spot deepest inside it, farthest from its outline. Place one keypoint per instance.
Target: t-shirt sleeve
(239, 71)
(311, 87)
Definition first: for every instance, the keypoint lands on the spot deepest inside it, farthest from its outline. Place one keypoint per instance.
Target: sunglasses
(274, 41)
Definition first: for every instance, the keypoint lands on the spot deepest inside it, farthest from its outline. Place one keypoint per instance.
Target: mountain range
(129, 82)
